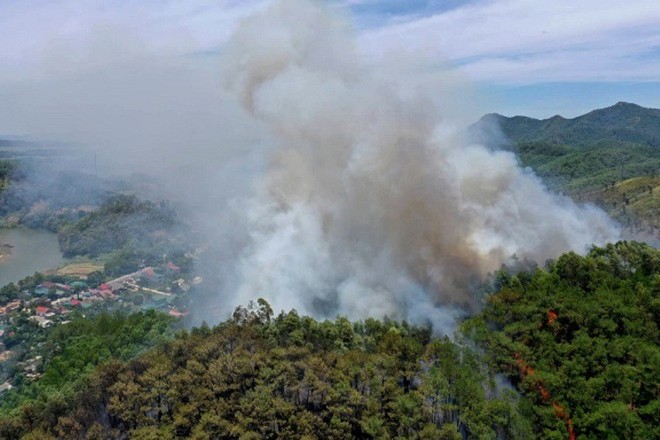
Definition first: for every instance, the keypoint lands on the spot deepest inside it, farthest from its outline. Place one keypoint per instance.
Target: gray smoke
(373, 202)
(321, 180)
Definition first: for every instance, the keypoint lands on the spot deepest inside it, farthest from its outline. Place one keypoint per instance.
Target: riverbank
(26, 251)
(5, 251)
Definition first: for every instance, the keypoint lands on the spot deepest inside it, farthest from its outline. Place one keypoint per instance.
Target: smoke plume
(321, 179)
(373, 203)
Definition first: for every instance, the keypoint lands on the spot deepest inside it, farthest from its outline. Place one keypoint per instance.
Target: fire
(546, 396)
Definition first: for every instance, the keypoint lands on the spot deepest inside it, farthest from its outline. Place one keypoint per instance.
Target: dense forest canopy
(129, 233)
(578, 339)
(259, 376)
(70, 352)
(120, 220)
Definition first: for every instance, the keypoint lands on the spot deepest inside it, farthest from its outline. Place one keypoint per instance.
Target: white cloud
(34, 32)
(528, 41)
(501, 41)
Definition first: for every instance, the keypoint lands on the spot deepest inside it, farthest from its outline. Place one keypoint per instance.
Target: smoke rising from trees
(322, 180)
(373, 202)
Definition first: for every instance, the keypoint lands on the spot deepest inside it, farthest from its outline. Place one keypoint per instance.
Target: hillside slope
(620, 123)
(578, 339)
(609, 156)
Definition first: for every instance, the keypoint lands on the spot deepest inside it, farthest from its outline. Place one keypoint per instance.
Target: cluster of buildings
(50, 303)
(130, 290)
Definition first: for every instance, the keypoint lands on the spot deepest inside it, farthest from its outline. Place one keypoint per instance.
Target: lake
(32, 251)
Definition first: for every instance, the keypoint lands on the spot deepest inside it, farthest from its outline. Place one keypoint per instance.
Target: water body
(32, 251)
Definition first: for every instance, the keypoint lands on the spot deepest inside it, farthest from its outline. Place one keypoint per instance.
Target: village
(49, 303)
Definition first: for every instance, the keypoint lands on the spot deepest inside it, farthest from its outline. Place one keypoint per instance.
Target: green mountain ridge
(609, 157)
(621, 123)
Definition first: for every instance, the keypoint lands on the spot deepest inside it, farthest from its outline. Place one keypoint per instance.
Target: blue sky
(523, 56)
(371, 13)
(527, 57)
(531, 57)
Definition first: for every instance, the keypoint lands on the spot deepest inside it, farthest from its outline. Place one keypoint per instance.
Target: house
(14, 305)
(41, 290)
(177, 314)
(86, 304)
(181, 283)
(106, 294)
(105, 286)
(33, 364)
(80, 285)
(75, 302)
(43, 322)
(5, 386)
(42, 310)
(61, 301)
(173, 267)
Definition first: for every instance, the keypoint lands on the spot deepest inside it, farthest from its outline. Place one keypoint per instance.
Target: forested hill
(622, 122)
(609, 156)
(578, 339)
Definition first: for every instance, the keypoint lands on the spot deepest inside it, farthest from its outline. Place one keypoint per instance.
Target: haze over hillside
(609, 156)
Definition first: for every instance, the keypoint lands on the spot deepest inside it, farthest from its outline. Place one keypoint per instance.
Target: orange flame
(526, 370)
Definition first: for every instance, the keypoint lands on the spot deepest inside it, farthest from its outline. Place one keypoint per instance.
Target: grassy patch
(80, 269)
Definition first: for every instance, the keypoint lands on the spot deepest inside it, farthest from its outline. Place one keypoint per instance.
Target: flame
(527, 371)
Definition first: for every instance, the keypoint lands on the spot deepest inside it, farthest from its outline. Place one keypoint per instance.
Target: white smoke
(373, 202)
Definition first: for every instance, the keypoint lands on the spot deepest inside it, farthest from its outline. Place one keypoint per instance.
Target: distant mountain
(620, 123)
(609, 156)
(8, 142)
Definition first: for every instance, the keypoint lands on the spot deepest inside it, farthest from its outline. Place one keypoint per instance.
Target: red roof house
(173, 267)
(106, 294)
